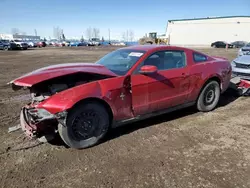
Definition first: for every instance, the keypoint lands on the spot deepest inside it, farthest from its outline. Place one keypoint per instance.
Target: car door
(164, 89)
(1, 45)
(223, 44)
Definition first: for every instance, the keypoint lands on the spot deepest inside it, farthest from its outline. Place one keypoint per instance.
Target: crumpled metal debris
(240, 85)
(14, 128)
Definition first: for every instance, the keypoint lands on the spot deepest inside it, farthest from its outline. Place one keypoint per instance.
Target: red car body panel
(108, 90)
(133, 95)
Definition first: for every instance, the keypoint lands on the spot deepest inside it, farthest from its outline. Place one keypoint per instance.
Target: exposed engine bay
(44, 90)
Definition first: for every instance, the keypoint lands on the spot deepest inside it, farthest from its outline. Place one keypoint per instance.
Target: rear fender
(215, 77)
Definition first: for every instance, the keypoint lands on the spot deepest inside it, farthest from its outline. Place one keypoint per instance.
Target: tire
(209, 97)
(78, 135)
(5, 48)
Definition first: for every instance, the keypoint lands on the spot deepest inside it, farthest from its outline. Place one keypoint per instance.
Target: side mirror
(148, 69)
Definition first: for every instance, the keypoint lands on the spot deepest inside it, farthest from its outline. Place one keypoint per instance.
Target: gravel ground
(181, 149)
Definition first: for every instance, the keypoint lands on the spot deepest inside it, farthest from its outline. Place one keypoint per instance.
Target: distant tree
(63, 36)
(15, 31)
(35, 32)
(96, 33)
(89, 33)
(131, 35)
(82, 39)
(128, 35)
(57, 32)
(124, 36)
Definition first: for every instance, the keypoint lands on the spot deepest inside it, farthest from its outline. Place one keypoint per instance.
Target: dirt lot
(181, 149)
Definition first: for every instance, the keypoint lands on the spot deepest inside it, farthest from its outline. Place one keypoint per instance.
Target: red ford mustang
(83, 100)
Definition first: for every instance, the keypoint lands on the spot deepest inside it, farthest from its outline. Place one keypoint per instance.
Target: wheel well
(214, 78)
(99, 101)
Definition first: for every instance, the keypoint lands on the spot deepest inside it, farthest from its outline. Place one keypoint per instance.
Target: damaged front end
(38, 122)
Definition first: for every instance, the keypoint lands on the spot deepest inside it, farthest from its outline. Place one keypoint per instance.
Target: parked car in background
(7, 45)
(83, 43)
(221, 44)
(78, 43)
(20, 44)
(66, 43)
(74, 43)
(32, 44)
(238, 44)
(244, 50)
(94, 42)
(41, 44)
(82, 101)
(241, 66)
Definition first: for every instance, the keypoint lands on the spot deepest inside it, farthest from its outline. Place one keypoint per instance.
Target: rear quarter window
(199, 57)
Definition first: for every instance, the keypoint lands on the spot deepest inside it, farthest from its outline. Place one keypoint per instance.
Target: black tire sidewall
(5, 48)
(200, 102)
(66, 131)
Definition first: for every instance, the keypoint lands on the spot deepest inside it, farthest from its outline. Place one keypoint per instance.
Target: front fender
(66, 99)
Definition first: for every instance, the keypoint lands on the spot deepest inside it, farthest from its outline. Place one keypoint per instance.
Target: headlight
(233, 64)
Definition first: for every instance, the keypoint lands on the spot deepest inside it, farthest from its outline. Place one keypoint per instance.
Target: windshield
(121, 61)
(248, 45)
(18, 40)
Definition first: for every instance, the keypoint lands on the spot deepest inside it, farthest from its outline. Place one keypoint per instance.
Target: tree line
(90, 33)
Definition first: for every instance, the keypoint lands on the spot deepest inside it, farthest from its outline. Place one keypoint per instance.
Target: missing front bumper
(29, 129)
(34, 125)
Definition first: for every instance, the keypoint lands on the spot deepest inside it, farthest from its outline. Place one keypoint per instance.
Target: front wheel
(209, 97)
(5, 48)
(85, 126)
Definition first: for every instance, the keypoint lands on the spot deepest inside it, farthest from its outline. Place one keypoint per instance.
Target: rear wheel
(85, 126)
(209, 97)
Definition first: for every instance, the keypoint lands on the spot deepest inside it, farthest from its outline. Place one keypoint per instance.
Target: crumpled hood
(245, 59)
(53, 71)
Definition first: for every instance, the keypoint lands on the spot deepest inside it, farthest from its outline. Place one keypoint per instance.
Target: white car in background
(244, 50)
(241, 65)
(20, 44)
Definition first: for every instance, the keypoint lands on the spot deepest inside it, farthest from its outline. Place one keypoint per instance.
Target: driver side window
(165, 60)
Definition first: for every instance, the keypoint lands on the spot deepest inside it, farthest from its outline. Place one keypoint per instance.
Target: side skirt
(152, 114)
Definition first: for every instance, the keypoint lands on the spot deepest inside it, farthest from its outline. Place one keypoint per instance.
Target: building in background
(20, 37)
(6, 36)
(26, 37)
(204, 31)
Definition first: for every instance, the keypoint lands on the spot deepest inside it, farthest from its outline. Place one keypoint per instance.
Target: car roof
(153, 47)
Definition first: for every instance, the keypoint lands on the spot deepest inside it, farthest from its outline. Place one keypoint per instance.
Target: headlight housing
(233, 64)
